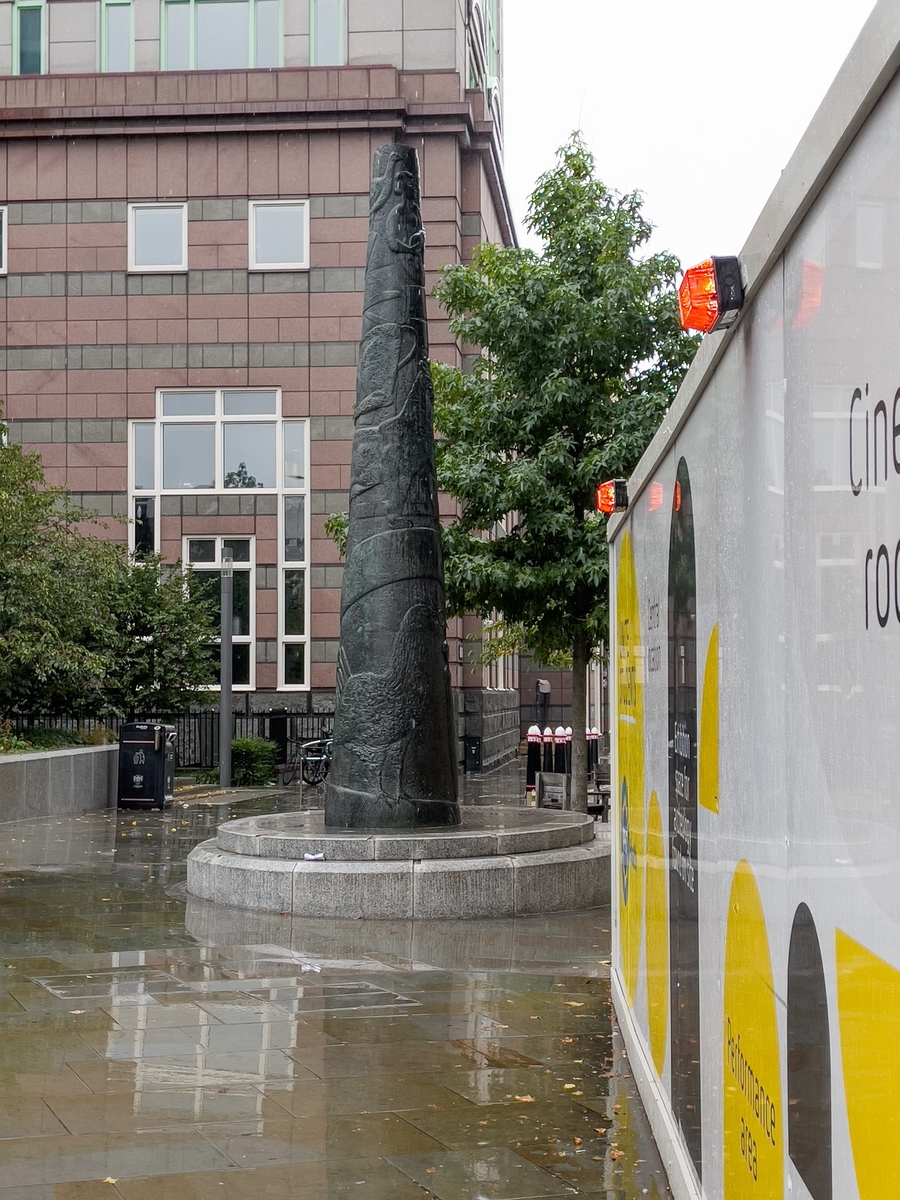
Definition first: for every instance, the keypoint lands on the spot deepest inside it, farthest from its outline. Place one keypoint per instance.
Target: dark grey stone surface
(394, 740)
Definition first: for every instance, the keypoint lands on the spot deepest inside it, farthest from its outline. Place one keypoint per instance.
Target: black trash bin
(146, 766)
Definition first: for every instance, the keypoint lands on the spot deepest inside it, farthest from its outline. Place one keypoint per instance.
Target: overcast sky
(697, 103)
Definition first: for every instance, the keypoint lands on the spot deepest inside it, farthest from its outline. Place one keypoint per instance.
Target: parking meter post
(225, 678)
(547, 764)
(533, 764)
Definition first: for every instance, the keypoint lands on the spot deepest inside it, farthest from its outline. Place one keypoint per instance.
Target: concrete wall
(58, 783)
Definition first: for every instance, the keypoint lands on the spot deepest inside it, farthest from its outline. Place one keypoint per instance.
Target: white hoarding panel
(756, 655)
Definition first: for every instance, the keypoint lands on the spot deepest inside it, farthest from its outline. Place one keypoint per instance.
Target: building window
(2, 241)
(294, 576)
(157, 237)
(328, 33)
(116, 36)
(221, 35)
(28, 38)
(279, 235)
(212, 441)
(204, 556)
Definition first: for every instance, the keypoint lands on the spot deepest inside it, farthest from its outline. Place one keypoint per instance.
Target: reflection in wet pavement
(160, 1047)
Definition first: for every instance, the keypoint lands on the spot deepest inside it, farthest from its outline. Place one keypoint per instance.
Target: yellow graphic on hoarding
(709, 728)
(752, 1133)
(657, 934)
(630, 692)
(868, 994)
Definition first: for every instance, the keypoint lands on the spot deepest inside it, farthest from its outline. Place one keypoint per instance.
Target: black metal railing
(198, 732)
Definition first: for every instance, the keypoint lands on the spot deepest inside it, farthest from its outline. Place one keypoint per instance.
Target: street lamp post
(225, 719)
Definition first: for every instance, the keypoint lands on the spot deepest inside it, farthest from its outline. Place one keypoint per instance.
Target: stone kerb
(57, 782)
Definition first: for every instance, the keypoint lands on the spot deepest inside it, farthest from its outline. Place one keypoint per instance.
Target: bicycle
(308, 761)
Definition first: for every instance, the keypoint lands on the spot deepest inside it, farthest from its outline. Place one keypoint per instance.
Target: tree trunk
(581, 654)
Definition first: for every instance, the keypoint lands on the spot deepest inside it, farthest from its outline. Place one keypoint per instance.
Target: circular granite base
(499, 862)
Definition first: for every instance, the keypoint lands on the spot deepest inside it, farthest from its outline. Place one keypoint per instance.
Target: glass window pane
(240, 665)
(189, 404)
(249, 455)
(294, 529)
(294, 663)
(30, 41)
(202, 550)
(267, 33)
(178, 37)
(249, 404)
(144, 528)
(118, 37)
(158, 237)
(279, 234)
(206, 586)
(294, 602)
(239, 547)
(294, 454)
(329, 43)
(222, 35)
(240, 626)
(189, 457)
(144, 458)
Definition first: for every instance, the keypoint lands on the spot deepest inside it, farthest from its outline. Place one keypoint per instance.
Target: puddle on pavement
(160, 1048)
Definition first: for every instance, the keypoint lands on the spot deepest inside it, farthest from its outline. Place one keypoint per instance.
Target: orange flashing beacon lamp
(711, 295)
(612, 497)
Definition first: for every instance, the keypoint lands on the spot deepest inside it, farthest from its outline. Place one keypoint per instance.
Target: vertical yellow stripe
(709, 728)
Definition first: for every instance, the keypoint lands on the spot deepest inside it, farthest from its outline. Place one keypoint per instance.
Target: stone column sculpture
(394, 761)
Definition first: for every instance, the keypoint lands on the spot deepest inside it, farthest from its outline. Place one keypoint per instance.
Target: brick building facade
(182, 274)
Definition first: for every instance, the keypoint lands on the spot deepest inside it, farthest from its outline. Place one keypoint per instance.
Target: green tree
(580, 355)
(84, 629)
(160, 649)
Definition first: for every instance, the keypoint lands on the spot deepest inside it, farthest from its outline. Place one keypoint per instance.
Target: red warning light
(612, 496)
(711, 295)
(657, 495)
(677, 496)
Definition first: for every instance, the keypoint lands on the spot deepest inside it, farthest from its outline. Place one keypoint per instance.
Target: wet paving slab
(155, 1047)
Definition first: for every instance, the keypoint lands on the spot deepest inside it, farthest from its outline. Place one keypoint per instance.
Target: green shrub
(11, 743)
(55, 739)
(252, 761)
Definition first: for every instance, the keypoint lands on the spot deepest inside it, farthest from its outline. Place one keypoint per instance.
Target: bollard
(593, 747)
(548, 749)
(533, 762)
(559, 750)
(568, 748)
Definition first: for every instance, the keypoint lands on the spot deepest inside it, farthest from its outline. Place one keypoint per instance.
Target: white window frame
(4, 240)
(216, 567)
(218, 421)
(290, 202)
(294, 639)
(168, 268)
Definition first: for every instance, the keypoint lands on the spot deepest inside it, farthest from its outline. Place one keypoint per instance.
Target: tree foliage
(84, 629)
(580, 355)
